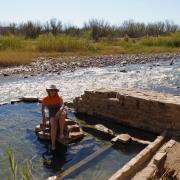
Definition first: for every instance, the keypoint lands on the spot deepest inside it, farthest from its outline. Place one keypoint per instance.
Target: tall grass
(16, 57)
(167, 41)
(12, 163)
(17, 171)
(10, 42)
(62, 43)
(18, 50)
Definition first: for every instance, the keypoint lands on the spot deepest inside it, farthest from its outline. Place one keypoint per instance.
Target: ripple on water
(17, 122)
(161, 78)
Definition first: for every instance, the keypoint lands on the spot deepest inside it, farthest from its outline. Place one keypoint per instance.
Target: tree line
(93, 29)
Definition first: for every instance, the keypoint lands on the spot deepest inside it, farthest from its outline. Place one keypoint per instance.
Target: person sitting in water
(54, 103)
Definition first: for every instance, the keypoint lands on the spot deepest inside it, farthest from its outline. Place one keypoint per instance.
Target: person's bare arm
(62, 106)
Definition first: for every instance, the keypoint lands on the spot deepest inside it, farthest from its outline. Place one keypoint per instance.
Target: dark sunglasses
(53, 90)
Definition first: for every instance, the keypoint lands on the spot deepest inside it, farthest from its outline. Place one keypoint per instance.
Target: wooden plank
(84, 161)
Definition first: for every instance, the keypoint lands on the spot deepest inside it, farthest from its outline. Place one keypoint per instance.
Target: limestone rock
(124, 138)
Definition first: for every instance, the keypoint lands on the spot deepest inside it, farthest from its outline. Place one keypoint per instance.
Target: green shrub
(10, 42)
(62, 43)
(168, 41)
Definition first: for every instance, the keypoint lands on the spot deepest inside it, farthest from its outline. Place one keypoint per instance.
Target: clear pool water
(17, 123)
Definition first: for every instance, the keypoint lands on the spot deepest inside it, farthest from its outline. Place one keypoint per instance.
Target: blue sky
(78, 11)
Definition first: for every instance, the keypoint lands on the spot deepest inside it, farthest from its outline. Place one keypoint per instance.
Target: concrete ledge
(156, 162)
(135, 163)
(29, 99)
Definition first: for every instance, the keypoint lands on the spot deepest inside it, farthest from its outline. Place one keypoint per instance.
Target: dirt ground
(173, 158)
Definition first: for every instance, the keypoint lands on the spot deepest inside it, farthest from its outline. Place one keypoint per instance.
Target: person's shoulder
(59, 97)
(45, 99)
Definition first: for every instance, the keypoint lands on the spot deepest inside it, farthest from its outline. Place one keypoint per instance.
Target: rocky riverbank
(44, 65)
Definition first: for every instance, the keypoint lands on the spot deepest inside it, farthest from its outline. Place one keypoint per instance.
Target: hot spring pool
(17, 123)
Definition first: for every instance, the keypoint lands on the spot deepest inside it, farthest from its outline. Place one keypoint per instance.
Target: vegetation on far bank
(20, 44)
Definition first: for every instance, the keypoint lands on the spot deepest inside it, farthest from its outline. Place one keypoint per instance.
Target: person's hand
(62, 108)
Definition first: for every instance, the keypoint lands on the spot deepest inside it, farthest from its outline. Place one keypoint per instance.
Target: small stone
(123, 71)
(171, 63)
(124, 62)
(4, 74)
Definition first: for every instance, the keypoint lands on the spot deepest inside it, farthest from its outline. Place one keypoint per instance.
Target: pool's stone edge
(146, 110)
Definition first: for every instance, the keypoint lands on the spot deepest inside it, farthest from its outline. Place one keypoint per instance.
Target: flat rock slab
(73, 128)
(44, 136)
(124, 138)
(72, 132)
(70, 122)
(13, 101)
(104, 129)
(29, 99)
(76, 135)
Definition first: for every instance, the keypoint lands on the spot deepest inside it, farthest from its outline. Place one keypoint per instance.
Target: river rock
(4, 74)
(124, 138)
(124, 62)
(171, 63)
(123, 71)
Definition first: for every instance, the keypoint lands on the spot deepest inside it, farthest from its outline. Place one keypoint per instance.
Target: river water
(154, 76)
(17, 121)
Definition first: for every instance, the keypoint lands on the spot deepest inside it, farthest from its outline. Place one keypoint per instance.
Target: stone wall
(141, 109)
